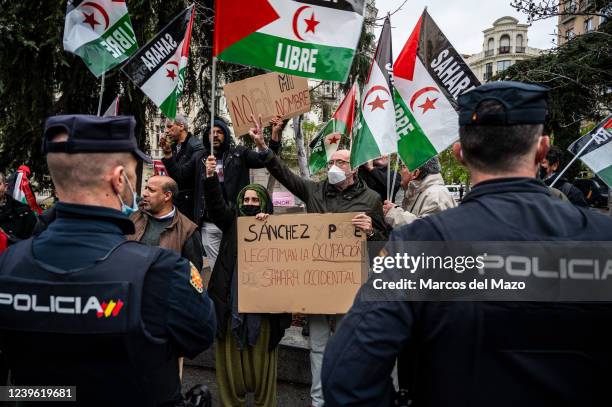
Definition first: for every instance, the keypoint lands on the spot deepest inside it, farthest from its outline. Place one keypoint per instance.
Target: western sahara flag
(100, 32)
(598, 154)
(311, 38)
(22, 192)
(429, 75)
(328, 140)
(375, 133)
(158, 68)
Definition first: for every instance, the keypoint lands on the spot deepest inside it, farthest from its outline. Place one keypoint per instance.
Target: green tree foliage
(580, 79)
(38, 78)
(452, 171)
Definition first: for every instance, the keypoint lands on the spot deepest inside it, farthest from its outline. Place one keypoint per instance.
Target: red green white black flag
(429, 75)
(310, 38)
(158, 68)
(339, 127)
(374, 135)
(100, 32)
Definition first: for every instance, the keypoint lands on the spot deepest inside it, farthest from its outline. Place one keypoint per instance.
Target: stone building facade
(505, 43)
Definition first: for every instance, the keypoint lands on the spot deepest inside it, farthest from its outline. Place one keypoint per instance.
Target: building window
(490, 48)
(504, 44)
(570, 34)
(488, 71)
(571, 6)
(520, 47)
(503, 65)
(588, 25)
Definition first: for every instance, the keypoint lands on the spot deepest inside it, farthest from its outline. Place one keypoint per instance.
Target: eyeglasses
(339, 163)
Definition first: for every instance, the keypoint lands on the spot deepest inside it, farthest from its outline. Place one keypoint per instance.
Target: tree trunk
(300, 148)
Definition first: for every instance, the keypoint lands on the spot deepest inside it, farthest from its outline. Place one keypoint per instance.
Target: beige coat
(422, 198)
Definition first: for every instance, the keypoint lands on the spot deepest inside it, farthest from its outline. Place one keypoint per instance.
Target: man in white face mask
(343, 191)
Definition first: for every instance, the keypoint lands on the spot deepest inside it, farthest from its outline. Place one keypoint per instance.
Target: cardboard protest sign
(270, 95)
(306, 263)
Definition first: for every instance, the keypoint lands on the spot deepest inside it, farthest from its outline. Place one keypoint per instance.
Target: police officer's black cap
(522, 104)
(92, 134)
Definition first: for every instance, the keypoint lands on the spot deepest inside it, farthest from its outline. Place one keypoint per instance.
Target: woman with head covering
(246, 347)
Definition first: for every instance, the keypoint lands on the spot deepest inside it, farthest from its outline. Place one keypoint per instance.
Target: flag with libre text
(310, 38)
(374, 135)
(100, 32)
(598, 154)
(328, 140)
(429, 75)
(158, 68)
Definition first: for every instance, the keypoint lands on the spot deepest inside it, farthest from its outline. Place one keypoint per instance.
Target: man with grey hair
(425, 194)
(180, 148)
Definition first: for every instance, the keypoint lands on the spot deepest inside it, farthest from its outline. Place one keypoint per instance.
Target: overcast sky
(462, 21)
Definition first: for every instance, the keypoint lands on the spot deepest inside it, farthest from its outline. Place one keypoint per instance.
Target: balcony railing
(504, 50)
(520, 50)
(585, 5)
(489, 53)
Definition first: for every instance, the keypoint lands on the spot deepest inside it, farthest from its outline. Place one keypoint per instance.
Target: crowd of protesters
(193, 212)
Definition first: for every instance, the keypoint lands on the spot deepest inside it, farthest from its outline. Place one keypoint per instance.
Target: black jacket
(572, 193)
(321, 197)
(237, 161)
(481, 353)
(16, 219)
(219, 287)
(376, 180)
(182, 168)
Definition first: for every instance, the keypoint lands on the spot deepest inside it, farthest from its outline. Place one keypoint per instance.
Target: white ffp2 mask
(335, 175)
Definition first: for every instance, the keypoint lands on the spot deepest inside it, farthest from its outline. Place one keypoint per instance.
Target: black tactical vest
(84, 328)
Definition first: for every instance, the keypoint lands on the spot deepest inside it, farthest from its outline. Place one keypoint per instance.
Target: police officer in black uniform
(82, 306)
(485, 353)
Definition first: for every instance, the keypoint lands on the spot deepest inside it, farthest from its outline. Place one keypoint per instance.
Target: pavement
(288, 394)
(293, 384)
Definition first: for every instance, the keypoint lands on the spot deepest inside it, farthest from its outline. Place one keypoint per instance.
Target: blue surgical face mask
(128, 210)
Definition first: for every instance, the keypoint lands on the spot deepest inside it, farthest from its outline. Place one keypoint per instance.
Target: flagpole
(572, 161)
(397, 158)
(212, 103)
(388, 176)
(101, 94)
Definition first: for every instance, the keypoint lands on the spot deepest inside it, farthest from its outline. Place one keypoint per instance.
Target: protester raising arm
(297, 185)
(253, 159)
(179, 173)
(217, 209)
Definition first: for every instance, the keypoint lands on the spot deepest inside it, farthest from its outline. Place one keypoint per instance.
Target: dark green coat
(321, 197)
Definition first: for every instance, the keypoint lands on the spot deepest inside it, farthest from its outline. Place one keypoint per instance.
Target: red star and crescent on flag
(91, 20)
(378, 102)
(170, 72)
(333, 139)
(429, 103)
(311, 23)
(89, 10)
